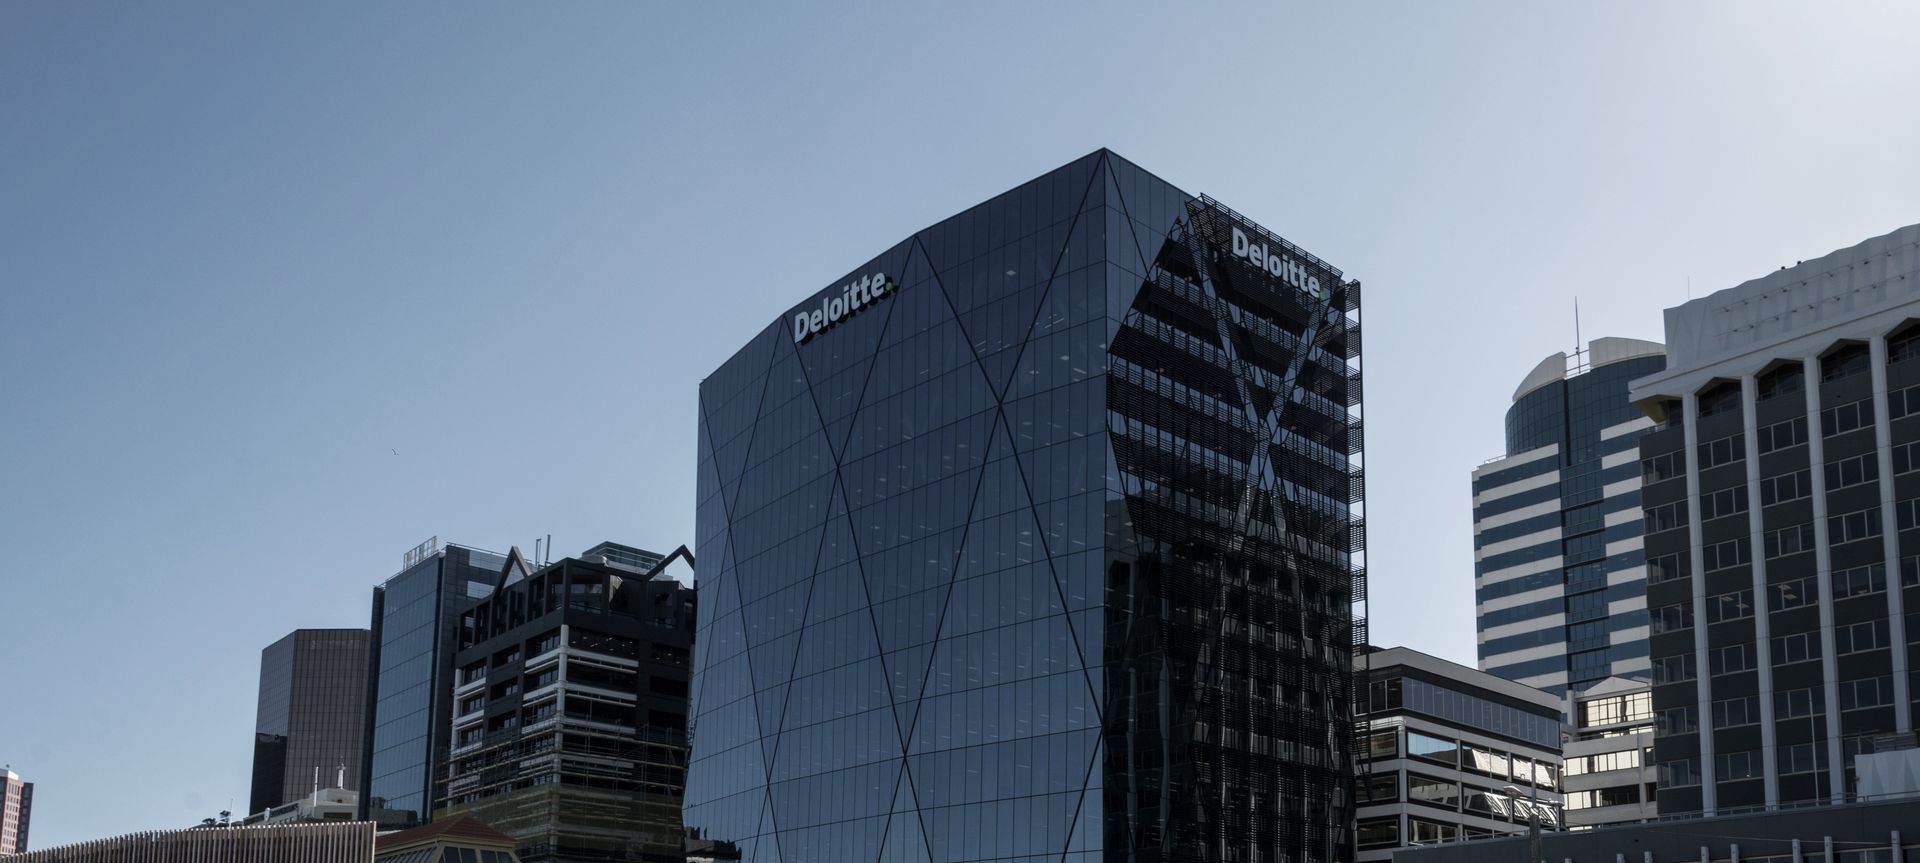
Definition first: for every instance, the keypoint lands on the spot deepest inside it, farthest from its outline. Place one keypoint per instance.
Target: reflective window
(1436, 749)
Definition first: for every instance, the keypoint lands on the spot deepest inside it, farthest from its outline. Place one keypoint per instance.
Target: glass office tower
(1036, 537)
(311, 715)
(416, 619)
(1559, 588)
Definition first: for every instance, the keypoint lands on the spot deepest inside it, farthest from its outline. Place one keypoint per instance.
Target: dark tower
(1038, 536)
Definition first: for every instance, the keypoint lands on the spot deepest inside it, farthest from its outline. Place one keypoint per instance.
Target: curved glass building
(1036, 537)
(1559, 573)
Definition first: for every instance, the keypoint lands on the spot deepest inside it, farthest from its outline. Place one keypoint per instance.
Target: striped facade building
(1559, 574)
(340, 842)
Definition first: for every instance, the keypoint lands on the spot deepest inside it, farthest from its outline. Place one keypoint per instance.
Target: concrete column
(560, 699)
(1890, 536)
(1762, 607)
(1690, 415)
(1823, 562)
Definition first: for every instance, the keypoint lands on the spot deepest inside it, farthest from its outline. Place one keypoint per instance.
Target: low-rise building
(462, 839)
(1450, 753)
(1609, 768)
(348, 842)
(1863, 832)
(324, 804)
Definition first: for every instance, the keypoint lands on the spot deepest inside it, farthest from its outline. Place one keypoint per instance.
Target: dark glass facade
(311, 715)
(1572, 412)
(416, 619)
(1036, 538)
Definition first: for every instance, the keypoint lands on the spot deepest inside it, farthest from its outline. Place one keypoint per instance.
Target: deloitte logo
(1276, 264)
(854, 297)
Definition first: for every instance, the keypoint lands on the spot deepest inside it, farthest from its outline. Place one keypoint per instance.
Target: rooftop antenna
(316, 783)
(1579, 347)
(342, 783)
(549, 549)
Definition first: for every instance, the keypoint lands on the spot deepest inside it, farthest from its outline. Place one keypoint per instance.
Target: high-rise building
(1780, 508)
(311, 720)
(1037, 537)
(1558, 586)
(416, 623)
(16, 812)
(1451, 754)
(1608, 773)
(570, 726)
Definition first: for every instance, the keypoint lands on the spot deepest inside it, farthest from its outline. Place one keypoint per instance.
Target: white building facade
(1450, 754)
(1608, 758)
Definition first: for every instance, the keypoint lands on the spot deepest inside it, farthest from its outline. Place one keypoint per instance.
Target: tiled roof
(464, 828)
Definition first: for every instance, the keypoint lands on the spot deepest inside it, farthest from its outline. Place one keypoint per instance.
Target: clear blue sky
(247, 252)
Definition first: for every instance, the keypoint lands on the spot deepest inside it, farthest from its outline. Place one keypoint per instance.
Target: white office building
(1450, 754)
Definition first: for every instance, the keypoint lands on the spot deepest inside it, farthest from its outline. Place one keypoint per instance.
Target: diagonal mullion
(1060, 257)
(1040, 534)
(1000, 397)
(860, 567)
(766, 799)
(960, 549)
(1099, 748)
(800, 638)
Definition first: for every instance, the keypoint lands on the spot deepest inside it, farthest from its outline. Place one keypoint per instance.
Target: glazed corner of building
(970, 370)
(1146, 197)
(1858, 293)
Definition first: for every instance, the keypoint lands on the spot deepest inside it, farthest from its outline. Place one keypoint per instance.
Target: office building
(1451, 753)
(1036, 537)
(1780, 502)
(570, 722)
(16, 811)
(1608, 771)
(310, 725)
(1560, 594)
(416, 623)
(349, 842)
(1866, 832)
(324, 804)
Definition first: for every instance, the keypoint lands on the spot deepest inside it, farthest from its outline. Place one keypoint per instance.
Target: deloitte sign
(854, 297)
(1276, 264)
